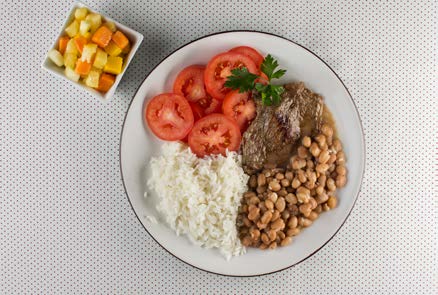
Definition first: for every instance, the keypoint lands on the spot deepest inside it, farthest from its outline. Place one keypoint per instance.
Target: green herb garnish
(244, 81)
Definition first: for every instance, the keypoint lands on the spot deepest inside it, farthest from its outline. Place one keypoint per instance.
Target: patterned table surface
(66, 225)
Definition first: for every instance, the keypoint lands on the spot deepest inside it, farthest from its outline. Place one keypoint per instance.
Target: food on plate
(200, 196)
(281, 202)
(281, 138)
(169, 116)
(274, 132)
(92, 52)
(219, 69)
(214, 134)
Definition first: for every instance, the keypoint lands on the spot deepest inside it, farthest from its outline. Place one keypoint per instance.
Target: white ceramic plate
(138, 145)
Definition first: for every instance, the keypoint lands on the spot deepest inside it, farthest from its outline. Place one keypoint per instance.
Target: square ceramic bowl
(134, 37)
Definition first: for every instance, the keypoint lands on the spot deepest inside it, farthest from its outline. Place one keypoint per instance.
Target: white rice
(200, 197)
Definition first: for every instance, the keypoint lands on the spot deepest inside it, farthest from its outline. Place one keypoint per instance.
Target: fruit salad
(92, 51)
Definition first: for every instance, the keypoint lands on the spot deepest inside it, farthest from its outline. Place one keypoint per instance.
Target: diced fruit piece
(62, 44)
(56, 57)
(120, 39)
(102, 36)
(105, 82)
(82, 67)
(71, 74)
(111, 26)
(88, 52)
(81, 13)
(113, 65)
(88, 36)
(71, 47)
(100, 59)
(84, 27)
(92, 79)
(70, 60)
(73, 29)
(126, 49)
(112, 49)
(95, 21)
(80, 42)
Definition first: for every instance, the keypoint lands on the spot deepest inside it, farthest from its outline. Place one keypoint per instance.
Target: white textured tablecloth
(66, 225)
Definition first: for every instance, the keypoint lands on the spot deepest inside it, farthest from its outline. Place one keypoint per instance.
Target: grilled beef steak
(271, 137)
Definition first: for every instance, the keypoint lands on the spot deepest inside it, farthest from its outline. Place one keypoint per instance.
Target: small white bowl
(134, 37)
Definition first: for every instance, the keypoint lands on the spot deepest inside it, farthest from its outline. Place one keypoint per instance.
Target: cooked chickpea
(310, 164)
(286, 241)
(254, 201)
(274, 185)
(254, 214)
(313, 203)
(263, 246)
(282, 192)
(261, 225)
(321, 198)
(332, 159)
(253, 181)
(327, 130)
(281, 235)
(325, 207)
(332, 202)
(341, 180)
(296, 183)
(247, 222)
(261, 180)
(298, 163)
(280, 205)
(302, 176)
(341, 170)
(302, 152)
(277, 224)
(337, 146)
(261, 189)
(289, 175)
(313, 216)
(266, 218)
(269, 204)
(273, 196)
(293, 222)
(246, 241)
(319, 190)
(293, 232)
(279, 176)
(291, 198)
(315, 150)
(304, 222)
(272, 235)
(324, 156)
(306, 141)
(285, 215)
(273, 246)
(254, 233)
(285, 182)
(275, 216)
(331, 186)
(322, 179)
(322, 168)
(320, 138)
(265, 239)
(318, 209)
(305, 209)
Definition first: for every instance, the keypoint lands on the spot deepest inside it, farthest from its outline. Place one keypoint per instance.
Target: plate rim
(363, 160)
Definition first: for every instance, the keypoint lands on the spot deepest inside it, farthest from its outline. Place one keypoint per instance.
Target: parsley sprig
(244, 81)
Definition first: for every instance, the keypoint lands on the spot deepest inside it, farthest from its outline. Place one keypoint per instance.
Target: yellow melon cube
(84, 27)
(100, 59)
(92, 80)
(111, 26)
(71, 74)
(113, 65)
(56, 57)
(70, 60)
(71, 47)
(81, 13)
(112, 49)
(73, 29)
(88, 52)
(95, 21)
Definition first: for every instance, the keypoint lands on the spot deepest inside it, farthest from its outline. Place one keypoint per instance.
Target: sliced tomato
(251, 52)
(220, 67)
(214, 134)
(198, 111)
(210, 105)
(169, 116)
(240, 107)
(190, 83)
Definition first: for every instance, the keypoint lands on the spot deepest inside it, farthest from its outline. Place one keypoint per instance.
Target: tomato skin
(251, 52)
(220, 67)
(214, 134)
(190, 83)
(210, 105)
(240, 107)
(198, 111)
(169, 116)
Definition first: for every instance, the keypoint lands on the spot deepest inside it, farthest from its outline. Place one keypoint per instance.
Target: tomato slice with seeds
(213, 135)
(240, 107)
(210, 105)
(169, 116)
(220, 67)
(198, 111)
(190, 83)
(251, 52)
